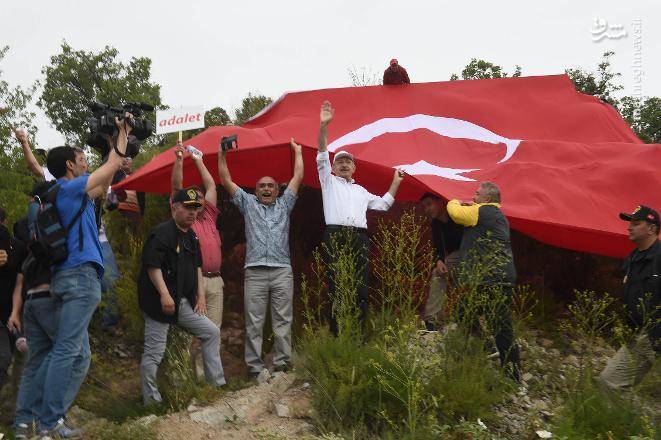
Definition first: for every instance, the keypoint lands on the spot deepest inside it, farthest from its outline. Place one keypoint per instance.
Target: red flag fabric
(565, 162)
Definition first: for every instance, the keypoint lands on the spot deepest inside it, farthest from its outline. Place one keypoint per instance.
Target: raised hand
(123, 124)
(326, 114)
(294, 146)
(21, 135)
(180, 151)
(399, 176)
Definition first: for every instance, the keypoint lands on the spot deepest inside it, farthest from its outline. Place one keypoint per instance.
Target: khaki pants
(438, 288)
(213, 289)
(629, 364)
(260, 284)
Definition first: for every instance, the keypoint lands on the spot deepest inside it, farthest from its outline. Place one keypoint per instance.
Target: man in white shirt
(345, 209)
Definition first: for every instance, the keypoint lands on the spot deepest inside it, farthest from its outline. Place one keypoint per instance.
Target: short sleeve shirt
(177, 254)
(70, 196)
(47, 175)
(267, 228)
(209, 237)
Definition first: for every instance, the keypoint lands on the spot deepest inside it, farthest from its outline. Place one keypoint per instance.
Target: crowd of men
(180, 279)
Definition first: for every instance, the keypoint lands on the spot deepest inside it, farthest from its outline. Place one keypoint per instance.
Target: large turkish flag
(566, 163)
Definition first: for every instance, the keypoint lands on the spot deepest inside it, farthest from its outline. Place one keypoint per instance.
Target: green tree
(480, 69)
(76, 78)
(600, 83)
(644, 116)
(250, 106)
(216, 116)
(14, 112)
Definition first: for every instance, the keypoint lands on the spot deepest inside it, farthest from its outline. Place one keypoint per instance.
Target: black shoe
(282, 368)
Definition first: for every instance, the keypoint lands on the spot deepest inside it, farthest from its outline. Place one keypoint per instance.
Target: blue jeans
(40, 317)
(77, 292)
(110, 312)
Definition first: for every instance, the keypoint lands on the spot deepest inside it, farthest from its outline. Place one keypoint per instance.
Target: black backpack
(49, 235)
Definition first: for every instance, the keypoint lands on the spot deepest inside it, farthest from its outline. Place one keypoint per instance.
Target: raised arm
(299, 168)
(461, 214)
(33, 164)
(224, 173)
(384, 202)
(207, 181)
(325, 117)
(178, 168)
(396, 180)
(99, 180)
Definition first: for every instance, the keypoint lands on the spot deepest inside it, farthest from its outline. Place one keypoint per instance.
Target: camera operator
(75, 283)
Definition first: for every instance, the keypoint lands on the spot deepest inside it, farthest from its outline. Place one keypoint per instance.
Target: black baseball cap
(187, 196)
(642, 212)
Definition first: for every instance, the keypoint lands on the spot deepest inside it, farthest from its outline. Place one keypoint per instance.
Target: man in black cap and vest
(171, 291)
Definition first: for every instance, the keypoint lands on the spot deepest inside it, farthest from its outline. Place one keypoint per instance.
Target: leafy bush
(392, 381)
(592, 411)
(467, 383)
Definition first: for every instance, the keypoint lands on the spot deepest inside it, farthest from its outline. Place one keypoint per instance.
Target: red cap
(393, 61)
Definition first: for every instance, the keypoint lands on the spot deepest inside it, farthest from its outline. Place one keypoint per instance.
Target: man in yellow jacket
(486, 258)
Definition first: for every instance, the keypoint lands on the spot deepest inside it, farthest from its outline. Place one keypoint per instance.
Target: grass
(387, 380)
(592, 411)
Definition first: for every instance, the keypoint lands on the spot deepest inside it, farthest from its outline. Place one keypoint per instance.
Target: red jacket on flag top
(565, 162)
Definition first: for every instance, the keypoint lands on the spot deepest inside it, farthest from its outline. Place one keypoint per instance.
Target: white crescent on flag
(449, 127)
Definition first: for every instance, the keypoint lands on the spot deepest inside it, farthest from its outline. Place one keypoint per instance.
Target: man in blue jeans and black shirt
(75, 284)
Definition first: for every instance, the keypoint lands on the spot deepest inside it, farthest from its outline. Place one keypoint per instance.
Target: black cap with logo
(187, 196)
(642, 212)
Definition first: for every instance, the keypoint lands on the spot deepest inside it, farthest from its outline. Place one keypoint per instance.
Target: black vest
(487, 244)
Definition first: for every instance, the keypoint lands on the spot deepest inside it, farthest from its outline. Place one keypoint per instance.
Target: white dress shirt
(346, 203)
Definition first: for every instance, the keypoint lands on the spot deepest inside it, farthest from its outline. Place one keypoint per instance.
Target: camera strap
(119, 152)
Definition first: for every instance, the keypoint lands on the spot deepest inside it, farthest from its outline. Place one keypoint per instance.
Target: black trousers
(6, 351)
(336, 237)
(499, 321)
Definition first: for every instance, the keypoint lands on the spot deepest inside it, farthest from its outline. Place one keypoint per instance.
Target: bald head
(266, 190)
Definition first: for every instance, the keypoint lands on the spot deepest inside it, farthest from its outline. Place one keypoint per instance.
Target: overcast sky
(213, 53)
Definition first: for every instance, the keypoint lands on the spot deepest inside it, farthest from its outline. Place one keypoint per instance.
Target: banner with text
(179, 119)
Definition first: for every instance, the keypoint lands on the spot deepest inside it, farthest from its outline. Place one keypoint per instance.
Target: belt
(37, 295)
(210, 274)
(340, 228)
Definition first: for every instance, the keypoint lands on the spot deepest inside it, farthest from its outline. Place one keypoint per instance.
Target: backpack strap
(83, 205)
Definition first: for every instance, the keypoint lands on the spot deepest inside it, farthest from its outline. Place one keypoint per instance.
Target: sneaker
(23, 431)
(60, 431)
(282, 368)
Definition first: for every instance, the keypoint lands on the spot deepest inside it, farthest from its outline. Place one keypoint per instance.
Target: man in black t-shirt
(13, 253)
(446, 236)
(169, 287)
